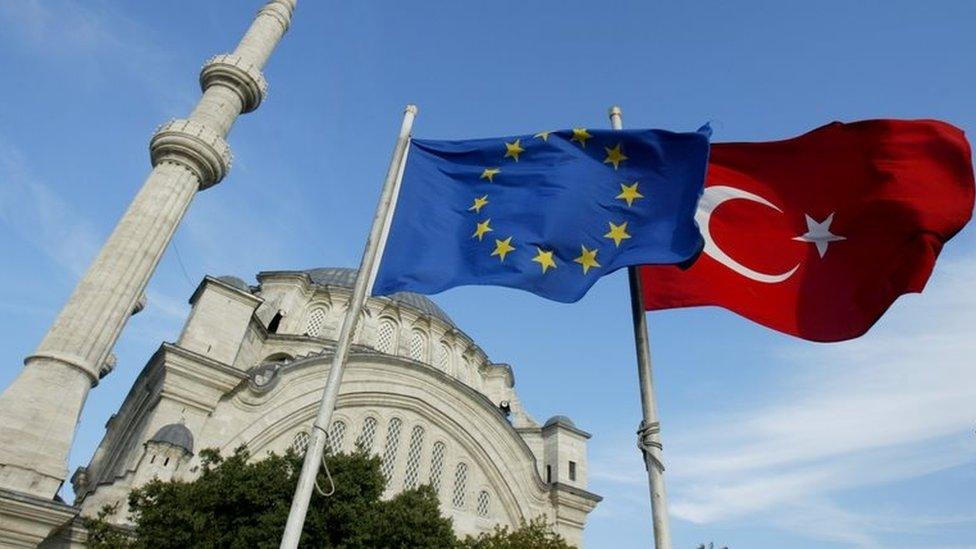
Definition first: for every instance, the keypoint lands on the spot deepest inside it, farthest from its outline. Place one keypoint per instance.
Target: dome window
(315, 323)
(300, 443)
(444, 357)
(390, 452)
(437, 466)
(418, 346)
(367, 435)
(386, 336)
(413, 457)
(484, 503)
(460, 485)
(334, 439)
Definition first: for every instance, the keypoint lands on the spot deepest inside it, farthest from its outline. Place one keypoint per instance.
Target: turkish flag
(817, 236)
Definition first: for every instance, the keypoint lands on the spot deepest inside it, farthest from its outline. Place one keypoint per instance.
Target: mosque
(251, 362)
(249, 368)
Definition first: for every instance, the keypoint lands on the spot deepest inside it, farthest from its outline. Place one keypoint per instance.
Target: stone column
(39, 411)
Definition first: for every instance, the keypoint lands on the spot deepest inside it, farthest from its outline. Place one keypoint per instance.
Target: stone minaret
(39, 411)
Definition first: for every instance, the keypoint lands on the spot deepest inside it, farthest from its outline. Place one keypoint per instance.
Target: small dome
(176, 434)
(346, 278)
(560, 420)
(235, 282)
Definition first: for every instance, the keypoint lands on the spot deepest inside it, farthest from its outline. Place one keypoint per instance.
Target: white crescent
(711, 199)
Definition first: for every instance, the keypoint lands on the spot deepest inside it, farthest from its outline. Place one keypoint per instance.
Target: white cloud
(824, 520)
(894, 405)
(30, 209)
(94, 45)
(37, 214)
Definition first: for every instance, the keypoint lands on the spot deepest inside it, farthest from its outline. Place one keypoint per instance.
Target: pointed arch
(444, 357)
(386, 335)
(315, 321)
(459, 494)
(418, 345)
(410, 474)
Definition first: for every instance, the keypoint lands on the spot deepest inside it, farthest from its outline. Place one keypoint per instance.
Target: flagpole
(316, 446)
(649, 432)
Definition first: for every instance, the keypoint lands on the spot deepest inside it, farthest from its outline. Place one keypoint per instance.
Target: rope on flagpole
(325, 466)
(646, 442)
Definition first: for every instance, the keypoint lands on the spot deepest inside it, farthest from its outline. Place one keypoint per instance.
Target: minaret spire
(39, 411)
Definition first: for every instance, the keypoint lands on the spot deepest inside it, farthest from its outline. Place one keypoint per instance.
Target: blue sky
(770, 441)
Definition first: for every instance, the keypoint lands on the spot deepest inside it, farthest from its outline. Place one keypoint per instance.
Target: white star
(818, 233)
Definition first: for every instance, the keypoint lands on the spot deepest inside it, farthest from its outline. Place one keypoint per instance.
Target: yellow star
(482, 228)
(479, 203)
(545, 259)
(490, 174)
(514, 149)
(617, 233)
(587, 259)
(502, 248)
(629, 193)
(543, 135)
(580, 135)
(614, 156)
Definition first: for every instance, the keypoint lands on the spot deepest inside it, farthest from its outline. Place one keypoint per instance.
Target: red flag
(816, 236)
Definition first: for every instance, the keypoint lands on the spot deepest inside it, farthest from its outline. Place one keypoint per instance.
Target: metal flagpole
(649, 432)
(316, 446)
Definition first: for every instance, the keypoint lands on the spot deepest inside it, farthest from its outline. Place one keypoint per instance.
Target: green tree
(237, 502)
(537, 534)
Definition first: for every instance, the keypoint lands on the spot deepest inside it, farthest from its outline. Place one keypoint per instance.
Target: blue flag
(549, 213)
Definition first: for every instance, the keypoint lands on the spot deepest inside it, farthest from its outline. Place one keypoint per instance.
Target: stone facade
(250, 366)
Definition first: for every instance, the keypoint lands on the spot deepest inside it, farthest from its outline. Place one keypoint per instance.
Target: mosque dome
(346, 278)
(560, 420)
(176, 434)
(236, 282)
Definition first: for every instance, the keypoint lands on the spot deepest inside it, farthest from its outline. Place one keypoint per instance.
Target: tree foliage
(536, 534)
(237, 502)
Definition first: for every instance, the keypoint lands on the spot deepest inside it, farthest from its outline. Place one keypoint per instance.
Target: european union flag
(548, 213)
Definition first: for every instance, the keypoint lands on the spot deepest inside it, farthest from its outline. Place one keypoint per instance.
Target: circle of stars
(546, 258)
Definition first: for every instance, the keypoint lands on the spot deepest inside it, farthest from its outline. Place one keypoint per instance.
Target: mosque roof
(560, 420)
(235, 282)
(346, 278)
(176, 434)
(565, 423)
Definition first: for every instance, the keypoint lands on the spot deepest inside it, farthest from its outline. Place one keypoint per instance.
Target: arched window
(275, 323)
(444, 357)
(337, 432)
(390, 451)
(437, 465)
(413, 457)
(460, 485)
(484, 503)
(418, 345)
(386, 336)
(315, 322)
(367, 435)
(300, 443)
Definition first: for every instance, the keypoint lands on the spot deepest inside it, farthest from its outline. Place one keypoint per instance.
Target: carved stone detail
(237, 74)
(195, 146)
